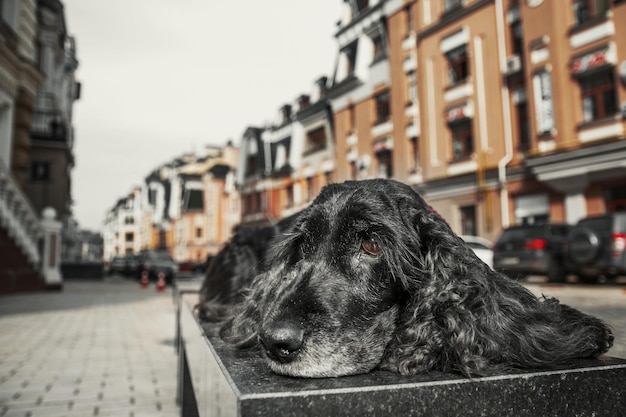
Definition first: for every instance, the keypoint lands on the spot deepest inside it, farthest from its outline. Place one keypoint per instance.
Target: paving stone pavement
(97, 348)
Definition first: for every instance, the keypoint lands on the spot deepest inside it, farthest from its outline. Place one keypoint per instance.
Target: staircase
(20, 234)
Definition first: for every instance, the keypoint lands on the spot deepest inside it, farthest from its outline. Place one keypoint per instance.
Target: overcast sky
(161, 78)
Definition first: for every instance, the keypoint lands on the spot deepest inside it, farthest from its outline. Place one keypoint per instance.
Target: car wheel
(583, 246)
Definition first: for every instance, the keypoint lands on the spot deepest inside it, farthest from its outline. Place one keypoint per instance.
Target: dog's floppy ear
(435, 247)
(435, 265)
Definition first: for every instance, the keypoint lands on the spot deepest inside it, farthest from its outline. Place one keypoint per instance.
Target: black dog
(369, 277)
(231, 271)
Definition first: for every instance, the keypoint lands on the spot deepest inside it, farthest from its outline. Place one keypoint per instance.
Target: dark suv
(597, 247)
(155, 262)
(532, 250)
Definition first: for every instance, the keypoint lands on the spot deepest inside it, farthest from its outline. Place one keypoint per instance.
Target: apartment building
(498, 112)
(283, 166)
(121, 231)
(52, 134)
(187, 206)
(37, 65)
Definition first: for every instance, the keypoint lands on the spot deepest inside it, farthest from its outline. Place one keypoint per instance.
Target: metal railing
(18, 217)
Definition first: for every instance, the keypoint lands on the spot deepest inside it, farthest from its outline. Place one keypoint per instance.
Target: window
(599, 96)
(462, 140)
(458, 65)
(379, 48)
(152, 195)
(40, 171)
(383, 111)
(328, 177)
(589, 10)
(385, 165)
(409, 20)
(129, 236)
(412, 87)
(517, 43)
(252, 165)
(198, 233)
(309, 189)
(414, 158)
(350, 53)
(468, 220)
(192, 200)
(354, 170)
(252, 203)
(521, 113)
(315, 140)
(360, 6)
(532, 209)
(351, 117)
(451, 4)
(289, 192)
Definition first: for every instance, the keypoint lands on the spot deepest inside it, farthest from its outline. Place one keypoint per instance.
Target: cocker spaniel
(369, 277)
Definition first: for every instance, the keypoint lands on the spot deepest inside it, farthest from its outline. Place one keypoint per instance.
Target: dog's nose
(282, 340)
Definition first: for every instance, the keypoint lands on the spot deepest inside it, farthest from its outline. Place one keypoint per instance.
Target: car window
(601, 224)
(163, 256)
(620, 222)
(560, 231)
(510, 235)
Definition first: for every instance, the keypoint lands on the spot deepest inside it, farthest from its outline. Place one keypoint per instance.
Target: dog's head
(331, 300)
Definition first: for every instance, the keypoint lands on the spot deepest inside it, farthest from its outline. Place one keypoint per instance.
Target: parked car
(596, 246)
(118, 265)
(155, 262)
(481, 247)
(132, 265)
(532, 250)
(200, 268)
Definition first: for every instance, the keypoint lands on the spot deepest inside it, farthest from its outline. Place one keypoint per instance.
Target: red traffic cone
(160, 282)
(144, 279)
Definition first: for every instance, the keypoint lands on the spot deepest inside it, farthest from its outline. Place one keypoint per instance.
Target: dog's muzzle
(282, 340)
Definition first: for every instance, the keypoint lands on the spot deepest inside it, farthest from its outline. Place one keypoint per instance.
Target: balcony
(48, 125)
(383, 128)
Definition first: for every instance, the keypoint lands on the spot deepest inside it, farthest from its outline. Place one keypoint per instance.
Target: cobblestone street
(101, 348)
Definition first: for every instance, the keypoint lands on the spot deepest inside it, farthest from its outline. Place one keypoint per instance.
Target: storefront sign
(590, 61)
(382, 145)
(542, 86)
(457, 113)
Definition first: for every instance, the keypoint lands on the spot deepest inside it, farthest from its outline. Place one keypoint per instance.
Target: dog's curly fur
(369, 277)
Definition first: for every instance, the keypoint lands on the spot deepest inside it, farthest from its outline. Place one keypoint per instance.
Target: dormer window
(252, 160)
(303, 101)
(452, 4)
(359, 6)
(350, 54)
(379, 48)
(315, 141)
(285, 113)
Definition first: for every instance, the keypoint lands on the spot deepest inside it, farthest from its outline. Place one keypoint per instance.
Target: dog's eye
(370, 246)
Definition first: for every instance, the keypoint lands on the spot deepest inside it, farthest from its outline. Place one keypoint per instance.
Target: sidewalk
(98, 348)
